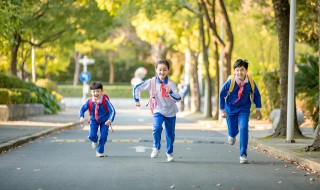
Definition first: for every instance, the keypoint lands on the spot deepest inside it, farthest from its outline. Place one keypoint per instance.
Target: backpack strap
(104, 103)
(90, 106)
(153, 87)
(252, 88)
(231, 87)
(233, 81)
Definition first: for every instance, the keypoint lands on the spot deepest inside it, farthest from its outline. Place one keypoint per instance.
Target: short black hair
(95, 86)
(240, 63)
(163, 61)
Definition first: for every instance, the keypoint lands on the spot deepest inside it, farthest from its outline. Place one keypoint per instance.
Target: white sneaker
(154, 153)
(231, 140)
(243, 159)
(100, 154)
(170, 157)
(94, 145)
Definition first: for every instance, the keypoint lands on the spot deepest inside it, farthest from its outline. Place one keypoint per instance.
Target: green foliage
(4, 96)
(15, 96)
(48, 84)
(307, 85)
(16, 91)
(10, 82)
(44, 97)
(307, 23)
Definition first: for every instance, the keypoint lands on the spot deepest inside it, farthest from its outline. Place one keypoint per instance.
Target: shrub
(10, 82)
(19, 96)
(4, 96)
(47, 84)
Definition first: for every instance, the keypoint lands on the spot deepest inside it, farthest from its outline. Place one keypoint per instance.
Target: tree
(316, 144)
(282, 18)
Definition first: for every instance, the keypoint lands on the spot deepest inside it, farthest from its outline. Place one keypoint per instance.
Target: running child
(164, 95)
(102, 114)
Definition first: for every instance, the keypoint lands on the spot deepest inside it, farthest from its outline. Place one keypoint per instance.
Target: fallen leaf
(172, 186)
(285, 166)
(218, 185)
(36, 170)
(312, 179)
(18, 168)
(280, 182)
(195, 186)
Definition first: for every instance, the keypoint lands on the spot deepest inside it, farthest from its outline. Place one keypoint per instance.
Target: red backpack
(104, 102)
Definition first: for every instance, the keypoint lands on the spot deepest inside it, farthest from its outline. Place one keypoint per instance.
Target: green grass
(113, 91)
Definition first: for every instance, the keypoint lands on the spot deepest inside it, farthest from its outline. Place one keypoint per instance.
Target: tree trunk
(228, 43)
(76, 74)
(282, 17)
(194, 85)
(316, 144)
(14, 53)
(208, 105)
(217, 85)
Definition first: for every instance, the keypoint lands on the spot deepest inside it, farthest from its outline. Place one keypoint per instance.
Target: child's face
(240, 73)
(162, 71)
(96, 94)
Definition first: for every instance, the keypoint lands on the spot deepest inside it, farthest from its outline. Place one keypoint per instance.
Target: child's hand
(223, 114)
(168, 90)
(81, 120)
(138, 104)
(258, 115)
(108, 123)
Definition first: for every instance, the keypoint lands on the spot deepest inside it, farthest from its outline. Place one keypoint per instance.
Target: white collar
(241, 82)
(94, 100)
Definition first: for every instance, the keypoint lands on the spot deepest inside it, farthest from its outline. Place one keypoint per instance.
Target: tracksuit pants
(236, 122)
(169, 123)
(93, 136)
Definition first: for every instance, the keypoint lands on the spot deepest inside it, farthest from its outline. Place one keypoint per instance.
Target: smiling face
(240, 72)
(162, 71)
(96, 93)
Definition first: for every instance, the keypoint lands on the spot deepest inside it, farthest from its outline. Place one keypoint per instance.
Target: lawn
(113, 91)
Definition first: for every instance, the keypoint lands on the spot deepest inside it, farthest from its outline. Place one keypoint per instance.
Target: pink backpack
(152, 101)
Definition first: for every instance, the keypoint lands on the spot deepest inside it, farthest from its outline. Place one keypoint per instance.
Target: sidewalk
(16, 133)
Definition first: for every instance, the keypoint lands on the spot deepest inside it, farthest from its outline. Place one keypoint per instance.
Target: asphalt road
(203, 160)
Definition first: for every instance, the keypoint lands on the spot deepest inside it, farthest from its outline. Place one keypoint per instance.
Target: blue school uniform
(238, 112)
(164, 112)
(103, 117)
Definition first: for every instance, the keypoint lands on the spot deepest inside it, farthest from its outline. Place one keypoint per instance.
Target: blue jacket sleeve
(84, 108)
(223, 93)
(112, 111)
(257, 97)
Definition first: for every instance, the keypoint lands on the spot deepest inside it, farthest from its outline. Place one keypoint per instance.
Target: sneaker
(170, 157)
(100, 154)
(243, 159)
(231, 140)
(154, 153)
(94, 145)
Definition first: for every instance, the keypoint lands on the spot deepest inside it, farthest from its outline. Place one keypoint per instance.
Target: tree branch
(211, 25)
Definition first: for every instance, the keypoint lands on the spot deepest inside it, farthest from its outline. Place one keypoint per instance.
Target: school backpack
(152, 101)
(233, 81)
(104, 103)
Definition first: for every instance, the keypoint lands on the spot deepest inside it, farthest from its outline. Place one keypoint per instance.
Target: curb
(296, 157)
(22, 140)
